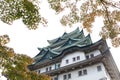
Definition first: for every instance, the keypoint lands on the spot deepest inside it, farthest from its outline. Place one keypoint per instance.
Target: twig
(111, 4)
(106, 10)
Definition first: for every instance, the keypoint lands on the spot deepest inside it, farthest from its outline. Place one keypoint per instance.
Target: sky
(25, 41)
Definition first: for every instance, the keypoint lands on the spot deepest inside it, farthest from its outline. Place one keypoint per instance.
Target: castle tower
(73, 56)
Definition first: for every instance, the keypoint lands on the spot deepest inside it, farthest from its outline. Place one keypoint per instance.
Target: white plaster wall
(44, 68)
(92, 73)
(95, 52)
(70, 58)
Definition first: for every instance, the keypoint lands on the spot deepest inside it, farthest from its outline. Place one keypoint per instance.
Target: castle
(74, 56)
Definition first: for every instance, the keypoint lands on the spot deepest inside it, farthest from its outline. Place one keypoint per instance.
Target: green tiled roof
(80, 42)
(65, 35)
(74, 38)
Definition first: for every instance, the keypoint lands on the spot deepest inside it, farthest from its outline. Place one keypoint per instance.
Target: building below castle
(73, 56)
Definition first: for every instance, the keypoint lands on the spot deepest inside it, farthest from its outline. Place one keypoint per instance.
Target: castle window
(78, 57)
(99, 68)
(69, 76)
(58, 65)
(85, 72)
(67, 61)
(74, 59)
(64, 77)
(91, 55)
(50, 68)
(46, 69)
(87, 56)
(82, 72)
(79, 73)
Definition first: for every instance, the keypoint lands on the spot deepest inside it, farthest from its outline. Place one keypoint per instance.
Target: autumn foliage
(15, 66)
(25, 10)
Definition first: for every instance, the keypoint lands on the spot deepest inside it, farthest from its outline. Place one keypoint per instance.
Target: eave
(100, 45)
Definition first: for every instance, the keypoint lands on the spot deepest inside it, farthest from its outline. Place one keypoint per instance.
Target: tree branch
(106, 10)
(111, 4)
